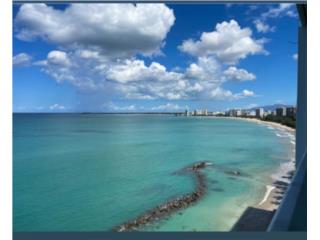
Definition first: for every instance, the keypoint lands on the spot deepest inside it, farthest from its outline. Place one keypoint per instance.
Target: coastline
(267, 123)
(269, 203)
(282, 177)
(234, 208)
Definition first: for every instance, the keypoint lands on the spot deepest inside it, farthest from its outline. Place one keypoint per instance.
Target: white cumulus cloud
(222, 94)
(115, 29)
(134, 79)
(233, 73)
(247, 93)
(22, 59)
(57, 106)
(205, 69)
(136, 70)
(282, 9)
(263, 27)
(58, 58)
(58, 65)
(274, 11)
(228, 43)
(99, 46)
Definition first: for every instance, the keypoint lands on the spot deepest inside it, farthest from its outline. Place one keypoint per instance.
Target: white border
(6, 120)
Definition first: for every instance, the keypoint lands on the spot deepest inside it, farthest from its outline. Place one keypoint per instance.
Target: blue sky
(153, 57)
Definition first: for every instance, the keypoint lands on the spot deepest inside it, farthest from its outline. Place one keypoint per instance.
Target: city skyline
(220, 59)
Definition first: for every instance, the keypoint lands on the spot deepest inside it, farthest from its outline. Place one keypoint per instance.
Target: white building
(251, 113)
(198, 112)
(235, 113)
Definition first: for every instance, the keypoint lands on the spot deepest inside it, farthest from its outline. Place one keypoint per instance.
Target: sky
(153, 57)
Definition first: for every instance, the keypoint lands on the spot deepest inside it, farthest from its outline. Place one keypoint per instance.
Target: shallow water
(90, 172)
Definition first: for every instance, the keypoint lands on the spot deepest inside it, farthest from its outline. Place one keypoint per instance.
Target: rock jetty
(170, 206)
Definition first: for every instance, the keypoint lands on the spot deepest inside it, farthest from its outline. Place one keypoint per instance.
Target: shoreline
(267, 123)
(275, 187)
(282, 177)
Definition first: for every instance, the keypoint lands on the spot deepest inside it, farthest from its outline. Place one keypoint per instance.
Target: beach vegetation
(284, 120)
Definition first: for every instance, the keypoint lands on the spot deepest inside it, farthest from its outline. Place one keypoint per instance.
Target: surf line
(170, 206)
(267, 193)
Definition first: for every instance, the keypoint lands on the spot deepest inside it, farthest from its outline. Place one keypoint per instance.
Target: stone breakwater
(171, 206)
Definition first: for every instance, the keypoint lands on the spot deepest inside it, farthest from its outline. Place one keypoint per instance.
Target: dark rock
(170, 206)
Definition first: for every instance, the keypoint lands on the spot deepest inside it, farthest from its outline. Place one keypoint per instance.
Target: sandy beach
(282, 178)
(258, 217)
(271, 124)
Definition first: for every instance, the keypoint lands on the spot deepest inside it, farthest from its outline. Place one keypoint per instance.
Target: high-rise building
(291, 111)
(266, 113)
(243, 112)
(198, 112)
(259, 112)
(281, 112)
(235, 113)
(251, 113)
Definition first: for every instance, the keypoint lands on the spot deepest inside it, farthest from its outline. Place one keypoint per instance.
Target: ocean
(91, 172)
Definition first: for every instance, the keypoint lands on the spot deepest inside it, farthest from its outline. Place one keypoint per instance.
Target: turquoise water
(90, 172)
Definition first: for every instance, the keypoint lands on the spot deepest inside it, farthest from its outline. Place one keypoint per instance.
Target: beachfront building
(235, 113)
(243, 112)
(198, 112)
(281, 112)
(291, 112)
(188, 113)
(251, 113)
(267, 113)
(259, 112)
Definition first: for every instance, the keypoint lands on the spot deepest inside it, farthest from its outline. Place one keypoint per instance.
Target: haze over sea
(90, 172)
